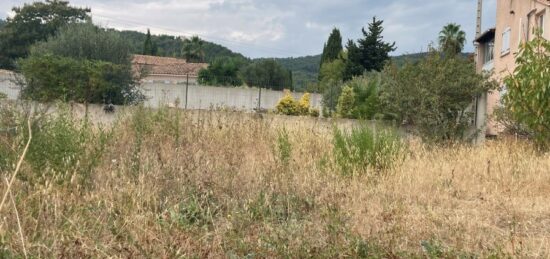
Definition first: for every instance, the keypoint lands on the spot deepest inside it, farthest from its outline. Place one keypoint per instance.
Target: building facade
(165, 70)
(516, 21)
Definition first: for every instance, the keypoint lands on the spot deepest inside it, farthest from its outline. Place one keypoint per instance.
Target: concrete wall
(206, 97)
(7, 86)
(198, 97)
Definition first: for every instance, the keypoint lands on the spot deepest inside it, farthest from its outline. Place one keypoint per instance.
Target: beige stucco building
(516, 22)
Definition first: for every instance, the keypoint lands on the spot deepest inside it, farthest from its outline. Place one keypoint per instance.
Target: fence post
(260, 99)
(186, 90)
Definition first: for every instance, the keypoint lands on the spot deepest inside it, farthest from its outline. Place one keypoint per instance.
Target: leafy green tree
(434, 95)
(149, 46)
(81, 63)
(2, 24)
(223, 71)
(33, 23)
(266, 73)
(49, 78)
(332, 71)
(374, 51)
(452, 39)
(86, 41)
(352, 65)
(193, 49)
(333, 47)
(528, 89)
(367, 95)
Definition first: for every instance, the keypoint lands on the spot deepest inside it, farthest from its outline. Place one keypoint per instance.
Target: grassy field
(170, 184)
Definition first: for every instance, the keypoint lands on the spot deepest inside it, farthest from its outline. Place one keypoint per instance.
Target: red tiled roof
(166, 66)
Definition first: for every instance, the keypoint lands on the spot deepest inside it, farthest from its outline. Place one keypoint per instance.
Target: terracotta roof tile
(167, 66)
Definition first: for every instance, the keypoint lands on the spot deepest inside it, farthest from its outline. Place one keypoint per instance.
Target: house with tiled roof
(167, 70)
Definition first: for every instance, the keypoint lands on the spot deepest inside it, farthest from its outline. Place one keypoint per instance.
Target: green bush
(528, 96)
(434, 96)
(284, 147)
(366, 148)
(346, 103)
(81, 63)
(50, 78)
(61, 148)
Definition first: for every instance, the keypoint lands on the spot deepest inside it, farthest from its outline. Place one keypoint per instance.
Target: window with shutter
(506, 41)
(540, 21)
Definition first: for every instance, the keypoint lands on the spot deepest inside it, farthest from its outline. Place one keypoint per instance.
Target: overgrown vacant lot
(164, 184)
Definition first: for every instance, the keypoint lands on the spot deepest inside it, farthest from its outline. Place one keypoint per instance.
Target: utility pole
(479, 14)
(186, 90)
(480, 106)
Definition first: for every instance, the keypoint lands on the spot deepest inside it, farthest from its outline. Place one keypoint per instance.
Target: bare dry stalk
(22, 236)
(18, 164)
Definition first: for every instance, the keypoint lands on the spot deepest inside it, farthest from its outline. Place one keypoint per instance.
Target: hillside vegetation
(169, 183)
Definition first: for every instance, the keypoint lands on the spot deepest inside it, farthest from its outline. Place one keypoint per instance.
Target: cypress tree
(353, 65)
(333, 47)
(148, 48)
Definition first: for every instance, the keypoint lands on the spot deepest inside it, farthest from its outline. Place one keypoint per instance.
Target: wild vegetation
(33, 23)
(169, 183)
(82, 63)
(528, 90)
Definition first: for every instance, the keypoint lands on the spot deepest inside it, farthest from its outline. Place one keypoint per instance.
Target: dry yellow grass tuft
(209, 185)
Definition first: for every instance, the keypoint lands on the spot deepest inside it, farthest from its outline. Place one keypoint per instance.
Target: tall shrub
(435, 96)
(81, 63)
(528, 95)
(346, 103)
(365, 148)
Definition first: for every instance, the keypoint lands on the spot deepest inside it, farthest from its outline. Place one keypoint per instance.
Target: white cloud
(285, 27)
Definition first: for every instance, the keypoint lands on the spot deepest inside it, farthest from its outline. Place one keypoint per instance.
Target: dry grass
(172, 185)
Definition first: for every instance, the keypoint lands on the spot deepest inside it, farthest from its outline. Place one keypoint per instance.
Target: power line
(209, 38)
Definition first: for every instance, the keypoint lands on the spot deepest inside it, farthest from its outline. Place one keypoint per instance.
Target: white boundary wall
(7, 86)
(206, 97)
(198, 97)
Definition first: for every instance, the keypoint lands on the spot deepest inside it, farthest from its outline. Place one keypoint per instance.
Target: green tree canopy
(32, 23)
(81, 63)
(352, 66)
(374, 50)
(333, 47)
(267, 73)
(223, 71)
(369, 53)
(193, 49)
(452, 39)
(86, 41)
(2, 23)
(149, 46)
(332, 71)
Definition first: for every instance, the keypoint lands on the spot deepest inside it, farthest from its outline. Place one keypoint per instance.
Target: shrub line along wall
(198, 97)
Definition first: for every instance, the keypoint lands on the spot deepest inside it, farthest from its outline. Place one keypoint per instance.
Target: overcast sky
(283, 28)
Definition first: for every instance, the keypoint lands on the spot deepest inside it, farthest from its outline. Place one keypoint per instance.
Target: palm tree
(452, 39)
(193, 49)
